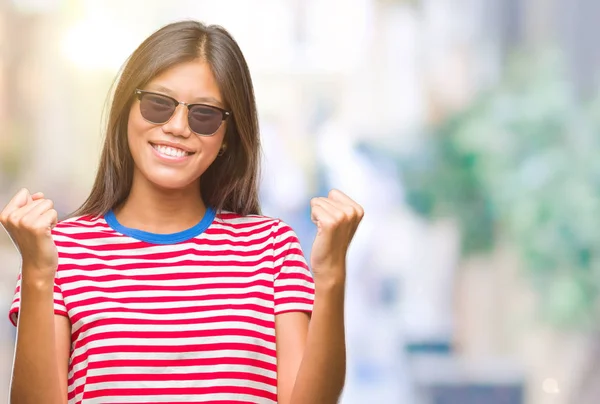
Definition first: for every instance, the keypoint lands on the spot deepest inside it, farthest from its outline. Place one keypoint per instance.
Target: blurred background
(468, 129)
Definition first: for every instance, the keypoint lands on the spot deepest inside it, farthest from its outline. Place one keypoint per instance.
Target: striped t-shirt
(187, 317)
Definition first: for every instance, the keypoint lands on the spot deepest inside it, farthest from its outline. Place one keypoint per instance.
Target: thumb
(21, 199)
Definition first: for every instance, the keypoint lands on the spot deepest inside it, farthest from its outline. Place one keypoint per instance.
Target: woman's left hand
(337, 217)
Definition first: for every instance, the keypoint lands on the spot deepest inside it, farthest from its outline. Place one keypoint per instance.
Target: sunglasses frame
(225, 114)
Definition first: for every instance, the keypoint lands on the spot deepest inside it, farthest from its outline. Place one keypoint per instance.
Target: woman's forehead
(189, 82)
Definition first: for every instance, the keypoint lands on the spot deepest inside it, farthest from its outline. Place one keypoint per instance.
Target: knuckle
(337, 220)
(13, 218)
(327, 224)
(339, 216)
(27, 223)
(318, 201)
(35, 228)
(39, 231)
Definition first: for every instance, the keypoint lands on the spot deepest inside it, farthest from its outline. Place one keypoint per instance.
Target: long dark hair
(231, 182)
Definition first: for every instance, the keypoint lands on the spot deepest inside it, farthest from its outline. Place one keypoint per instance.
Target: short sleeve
(294, 285)
(59, 304)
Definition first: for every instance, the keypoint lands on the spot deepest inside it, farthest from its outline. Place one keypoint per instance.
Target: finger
(339, 196)
(346, 209)
(50, 217)
(38, 208)
(327, 205)
(324, 213)
(345, 212)
(17, 201)
(20, 213)
(37, 195)
(320, 216)
(341, 211)
(32, 210)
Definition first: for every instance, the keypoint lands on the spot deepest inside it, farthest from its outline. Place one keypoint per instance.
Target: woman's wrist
(325, 284)
(36, 282)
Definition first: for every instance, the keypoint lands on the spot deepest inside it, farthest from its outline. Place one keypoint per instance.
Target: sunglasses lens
(156, 108)
(204, 120)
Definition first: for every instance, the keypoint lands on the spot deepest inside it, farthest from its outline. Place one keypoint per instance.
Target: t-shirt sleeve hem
(305, 310)
(13, 314)
(292, 308)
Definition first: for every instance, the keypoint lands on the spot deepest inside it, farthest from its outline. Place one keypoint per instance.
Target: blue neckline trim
(156, 238)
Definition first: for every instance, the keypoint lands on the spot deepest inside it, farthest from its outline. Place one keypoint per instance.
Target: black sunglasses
(203, 120)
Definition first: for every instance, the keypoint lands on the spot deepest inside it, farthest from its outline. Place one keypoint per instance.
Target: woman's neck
(161, 211)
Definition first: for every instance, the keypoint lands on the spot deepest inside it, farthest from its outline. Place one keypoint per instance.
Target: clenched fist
(29, 220)
(337, 217)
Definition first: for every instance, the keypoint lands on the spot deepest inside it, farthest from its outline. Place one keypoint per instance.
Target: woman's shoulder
(259, 222)
(80, 224)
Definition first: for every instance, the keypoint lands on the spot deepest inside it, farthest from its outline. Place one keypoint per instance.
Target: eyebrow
(213, 100)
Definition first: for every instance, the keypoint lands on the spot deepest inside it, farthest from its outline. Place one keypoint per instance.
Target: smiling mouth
(170, 151)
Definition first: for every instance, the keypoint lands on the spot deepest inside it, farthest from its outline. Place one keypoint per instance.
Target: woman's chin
(170, 182)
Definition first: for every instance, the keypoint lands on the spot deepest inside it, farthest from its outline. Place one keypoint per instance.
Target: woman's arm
(312, 356)
(322, 371)
(43, 341)
(42, 348)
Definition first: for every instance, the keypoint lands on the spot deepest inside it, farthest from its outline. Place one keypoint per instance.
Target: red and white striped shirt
(180, 318)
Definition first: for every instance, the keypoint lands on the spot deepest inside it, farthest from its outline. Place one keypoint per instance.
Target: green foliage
(523, 163)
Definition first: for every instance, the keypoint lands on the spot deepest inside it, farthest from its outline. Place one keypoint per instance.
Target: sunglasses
(203, 120)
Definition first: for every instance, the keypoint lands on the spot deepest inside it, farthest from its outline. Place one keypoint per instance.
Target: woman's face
(171, 155)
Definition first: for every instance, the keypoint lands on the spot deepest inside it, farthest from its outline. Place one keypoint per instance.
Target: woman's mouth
(169, 151)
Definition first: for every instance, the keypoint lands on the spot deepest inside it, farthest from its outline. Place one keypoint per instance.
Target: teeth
(170, 151)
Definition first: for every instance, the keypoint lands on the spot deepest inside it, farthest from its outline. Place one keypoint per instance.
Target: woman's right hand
(29, 220)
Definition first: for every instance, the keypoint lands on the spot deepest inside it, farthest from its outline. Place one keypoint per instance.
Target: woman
(167, 285)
